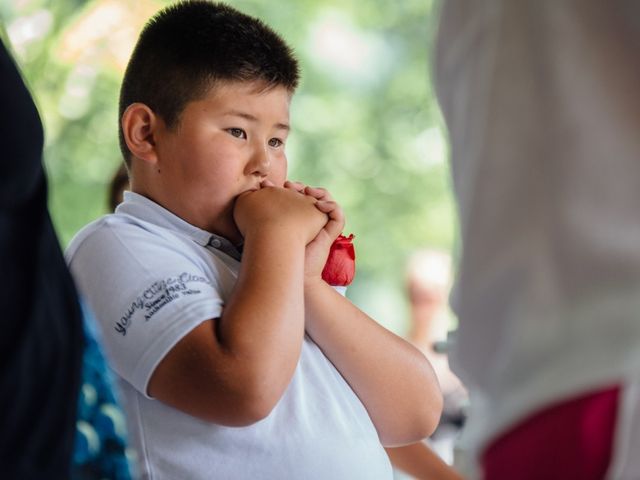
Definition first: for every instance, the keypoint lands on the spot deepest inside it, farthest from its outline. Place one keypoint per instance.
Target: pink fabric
(572, 440)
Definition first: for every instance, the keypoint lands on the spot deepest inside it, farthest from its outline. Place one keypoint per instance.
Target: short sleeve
(147, 292)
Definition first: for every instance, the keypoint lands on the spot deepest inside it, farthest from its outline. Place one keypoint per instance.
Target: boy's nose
(260, 163)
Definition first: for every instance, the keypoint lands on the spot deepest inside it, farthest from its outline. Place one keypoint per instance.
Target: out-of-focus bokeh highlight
(365, 122)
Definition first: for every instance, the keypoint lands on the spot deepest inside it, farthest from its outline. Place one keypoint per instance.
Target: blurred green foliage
(365, 122)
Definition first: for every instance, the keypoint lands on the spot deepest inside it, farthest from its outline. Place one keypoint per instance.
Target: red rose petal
(341, 263)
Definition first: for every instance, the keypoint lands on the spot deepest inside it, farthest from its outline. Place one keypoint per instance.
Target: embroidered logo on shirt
(159, 294)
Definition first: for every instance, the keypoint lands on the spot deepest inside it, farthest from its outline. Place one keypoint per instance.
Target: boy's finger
(335, 225)
(297, 186)
(326, 206)
(334, 228)
(318, 193)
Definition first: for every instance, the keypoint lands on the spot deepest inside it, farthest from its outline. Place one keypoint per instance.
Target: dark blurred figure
(119, 183)
(61, 414)
(42, 339)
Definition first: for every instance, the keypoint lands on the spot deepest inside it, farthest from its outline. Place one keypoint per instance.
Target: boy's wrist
(314, 281)
(274, 234)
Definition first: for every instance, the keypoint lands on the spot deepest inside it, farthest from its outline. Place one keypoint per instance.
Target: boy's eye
(237, 132)
(275, 142)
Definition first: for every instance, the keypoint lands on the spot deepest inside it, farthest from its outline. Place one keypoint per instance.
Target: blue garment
(100, 449)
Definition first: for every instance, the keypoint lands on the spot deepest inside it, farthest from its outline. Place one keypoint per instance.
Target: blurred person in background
(428, 279)
(428, 282)
(542, 103)
(118, 184)
(420, 462)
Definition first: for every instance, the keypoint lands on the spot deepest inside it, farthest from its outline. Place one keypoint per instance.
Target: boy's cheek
(278, 173)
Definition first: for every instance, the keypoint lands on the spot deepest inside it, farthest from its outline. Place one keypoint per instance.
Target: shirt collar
(145, 209)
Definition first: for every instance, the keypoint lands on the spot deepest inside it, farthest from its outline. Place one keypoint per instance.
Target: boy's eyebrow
(251, 118)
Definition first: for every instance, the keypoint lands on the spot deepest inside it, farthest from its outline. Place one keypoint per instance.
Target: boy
(251, 369)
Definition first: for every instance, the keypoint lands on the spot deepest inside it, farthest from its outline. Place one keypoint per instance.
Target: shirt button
(215, 243)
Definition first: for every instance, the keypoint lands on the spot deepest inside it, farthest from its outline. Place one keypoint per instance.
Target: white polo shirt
(541, 100)
(150, 278)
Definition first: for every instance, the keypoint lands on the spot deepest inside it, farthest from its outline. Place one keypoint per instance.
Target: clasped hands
(295, 210)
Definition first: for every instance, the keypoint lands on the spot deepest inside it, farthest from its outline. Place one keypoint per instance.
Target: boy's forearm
(422, 463)
(259, 335)
(263, 323)
(394, 380)
(233, 370)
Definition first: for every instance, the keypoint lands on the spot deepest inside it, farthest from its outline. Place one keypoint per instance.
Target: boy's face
(223, 145)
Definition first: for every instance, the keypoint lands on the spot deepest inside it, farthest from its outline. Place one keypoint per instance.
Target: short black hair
(187, 47)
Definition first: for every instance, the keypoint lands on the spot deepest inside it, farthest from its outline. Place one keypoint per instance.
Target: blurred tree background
(365, 121)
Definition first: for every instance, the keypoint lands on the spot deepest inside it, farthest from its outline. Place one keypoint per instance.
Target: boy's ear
(139, 127)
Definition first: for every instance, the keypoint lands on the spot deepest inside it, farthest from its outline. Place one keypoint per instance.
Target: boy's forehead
(233, 94)
(253, 101)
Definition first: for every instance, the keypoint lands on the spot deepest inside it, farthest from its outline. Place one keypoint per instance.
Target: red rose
(341, 263)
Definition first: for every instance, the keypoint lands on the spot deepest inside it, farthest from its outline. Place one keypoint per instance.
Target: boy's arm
(233, 370)
(422, 463)
(393, 379)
